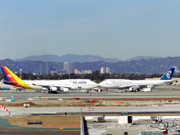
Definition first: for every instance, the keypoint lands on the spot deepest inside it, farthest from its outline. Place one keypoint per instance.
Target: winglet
(168, 75)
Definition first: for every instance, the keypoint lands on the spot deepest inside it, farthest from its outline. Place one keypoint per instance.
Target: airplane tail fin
(9, 75)
(12, 79)
(168, 75)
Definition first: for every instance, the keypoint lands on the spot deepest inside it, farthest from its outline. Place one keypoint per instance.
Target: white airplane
(135, 85)
(50, 85)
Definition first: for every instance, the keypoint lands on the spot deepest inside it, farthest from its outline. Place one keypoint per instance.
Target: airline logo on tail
(168, 75)
(12, 79)
(9, 76)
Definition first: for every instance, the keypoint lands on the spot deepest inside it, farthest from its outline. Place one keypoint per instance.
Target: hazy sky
(109, 28)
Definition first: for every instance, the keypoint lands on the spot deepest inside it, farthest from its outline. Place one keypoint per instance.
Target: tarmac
(161, 101)
(94, 110)
(6, 128)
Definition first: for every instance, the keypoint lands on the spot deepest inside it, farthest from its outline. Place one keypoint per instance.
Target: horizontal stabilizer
(8, 82)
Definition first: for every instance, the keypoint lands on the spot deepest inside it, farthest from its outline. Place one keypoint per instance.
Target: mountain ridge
(77, 58)
(143, 66)
(67, 58)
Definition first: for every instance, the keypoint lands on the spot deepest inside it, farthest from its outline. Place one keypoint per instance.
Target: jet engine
(65, 89)
(134, 88)
(53, 88)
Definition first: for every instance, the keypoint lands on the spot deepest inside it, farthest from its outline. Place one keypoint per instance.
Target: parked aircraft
(135, 85)
(50, 85)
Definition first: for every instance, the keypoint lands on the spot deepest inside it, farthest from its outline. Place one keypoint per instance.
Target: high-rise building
(67, 67)
(20, 73)
(72, 67)
(102, 70)
(107, 70)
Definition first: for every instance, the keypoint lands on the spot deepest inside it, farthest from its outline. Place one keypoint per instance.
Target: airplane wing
(125, 86)
(136, 87)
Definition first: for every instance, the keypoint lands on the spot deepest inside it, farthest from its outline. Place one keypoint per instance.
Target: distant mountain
(44, 58)
(143, 58)
(68, 58)
(143, 66)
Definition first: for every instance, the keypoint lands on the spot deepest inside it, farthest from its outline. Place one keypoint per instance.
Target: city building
(72, 67)
(20, 73)
(102, 70)
(107, 70)
(76, 71)
(86, 72)
(67, 67)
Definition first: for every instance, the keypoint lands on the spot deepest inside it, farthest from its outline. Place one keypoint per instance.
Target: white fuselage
(124, 83)
(71, 84)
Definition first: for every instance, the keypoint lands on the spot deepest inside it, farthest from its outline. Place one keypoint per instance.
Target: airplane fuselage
(71, 84)
(124, 83)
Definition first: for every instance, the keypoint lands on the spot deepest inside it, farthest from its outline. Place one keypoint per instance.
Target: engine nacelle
(65, 89)
(146, 89)
(133, 88)
(53, 88)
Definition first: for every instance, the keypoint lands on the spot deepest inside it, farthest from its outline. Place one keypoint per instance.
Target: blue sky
(110, 28)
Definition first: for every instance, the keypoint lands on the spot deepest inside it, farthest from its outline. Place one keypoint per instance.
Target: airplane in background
(50, 85)
(136, 85)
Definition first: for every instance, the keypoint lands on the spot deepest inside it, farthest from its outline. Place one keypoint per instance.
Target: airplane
(50, 85)
(136, 85)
